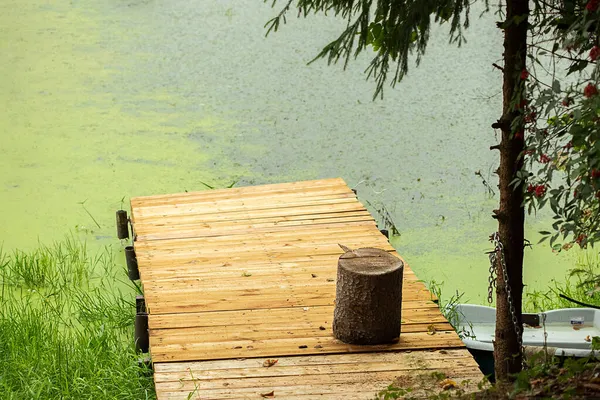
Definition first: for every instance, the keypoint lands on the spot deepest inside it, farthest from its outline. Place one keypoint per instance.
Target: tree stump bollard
(368, 299)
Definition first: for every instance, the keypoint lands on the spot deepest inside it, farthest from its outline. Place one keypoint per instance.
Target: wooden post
(122, 228)
(132, 264)
(140, 304)
(142, 337)
(368, 301)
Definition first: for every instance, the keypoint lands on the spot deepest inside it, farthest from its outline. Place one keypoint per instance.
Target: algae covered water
(108, 99)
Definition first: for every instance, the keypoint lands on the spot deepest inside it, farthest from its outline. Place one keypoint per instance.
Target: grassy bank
(581, 284)
(66, 327)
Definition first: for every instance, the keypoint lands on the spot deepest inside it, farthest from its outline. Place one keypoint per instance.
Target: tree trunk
(368, 299)
(510, 215)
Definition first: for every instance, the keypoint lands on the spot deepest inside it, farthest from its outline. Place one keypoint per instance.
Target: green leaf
(596, 343)
(557, 247)
(556, 86)
(577, 66)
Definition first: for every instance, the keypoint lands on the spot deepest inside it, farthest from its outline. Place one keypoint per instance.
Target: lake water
(106, 99)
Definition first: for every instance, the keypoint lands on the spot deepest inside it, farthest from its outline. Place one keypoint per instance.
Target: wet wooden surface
(237, 275)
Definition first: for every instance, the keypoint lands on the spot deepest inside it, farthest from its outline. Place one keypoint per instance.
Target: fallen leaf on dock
(313, 275)
(588, 338)
(269, 363)
(269, 394)
(448, 384)
(246, 274)
(431, 329)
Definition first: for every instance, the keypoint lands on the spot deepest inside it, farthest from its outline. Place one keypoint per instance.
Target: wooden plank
(315, 277)
(310, 375)
(261, 242)
(222, 254)
(154, 265)
(176, 291)
(278, 197)
(308, 210)
(363, 226)
(293, 346)
(334, 385)
(197, 301)
(234, 271)
(414, 312)
(327, 263)
(243, 204)
(247, 367)
(309, 383)
(263, 190)
(299, 330)
(258, 226)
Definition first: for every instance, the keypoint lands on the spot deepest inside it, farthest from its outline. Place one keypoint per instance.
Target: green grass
(66, 329)
(581, 283)
(64, 264)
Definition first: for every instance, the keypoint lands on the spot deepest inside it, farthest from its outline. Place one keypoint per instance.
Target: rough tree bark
(511, 215)
(368, 300)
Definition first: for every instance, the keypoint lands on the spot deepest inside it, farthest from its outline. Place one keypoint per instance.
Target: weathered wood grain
(236, 275)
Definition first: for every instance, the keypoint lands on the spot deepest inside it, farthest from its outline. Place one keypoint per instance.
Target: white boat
(566, 332)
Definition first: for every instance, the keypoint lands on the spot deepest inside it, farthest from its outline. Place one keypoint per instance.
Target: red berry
(590, 90)
(594, 53)
(540, 190)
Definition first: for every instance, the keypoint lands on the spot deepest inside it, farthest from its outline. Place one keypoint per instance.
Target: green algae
(69, 135)
(106, 100)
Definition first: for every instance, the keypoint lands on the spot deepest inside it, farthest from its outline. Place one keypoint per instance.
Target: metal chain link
(492, 277)
(499, 252)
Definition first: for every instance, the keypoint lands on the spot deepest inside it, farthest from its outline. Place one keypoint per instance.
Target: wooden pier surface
(236, 277)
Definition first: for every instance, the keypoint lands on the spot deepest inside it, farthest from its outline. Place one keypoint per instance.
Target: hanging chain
(499, 252)
(545, 337)
(492, 277)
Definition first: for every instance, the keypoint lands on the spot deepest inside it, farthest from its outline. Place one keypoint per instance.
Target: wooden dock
(234, 278)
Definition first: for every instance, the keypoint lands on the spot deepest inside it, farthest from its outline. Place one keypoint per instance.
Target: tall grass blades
(581, 284)
(64, 263)
(64, 335)
(100, 307)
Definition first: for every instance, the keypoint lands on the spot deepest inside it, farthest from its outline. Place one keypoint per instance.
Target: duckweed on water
(65, 331)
